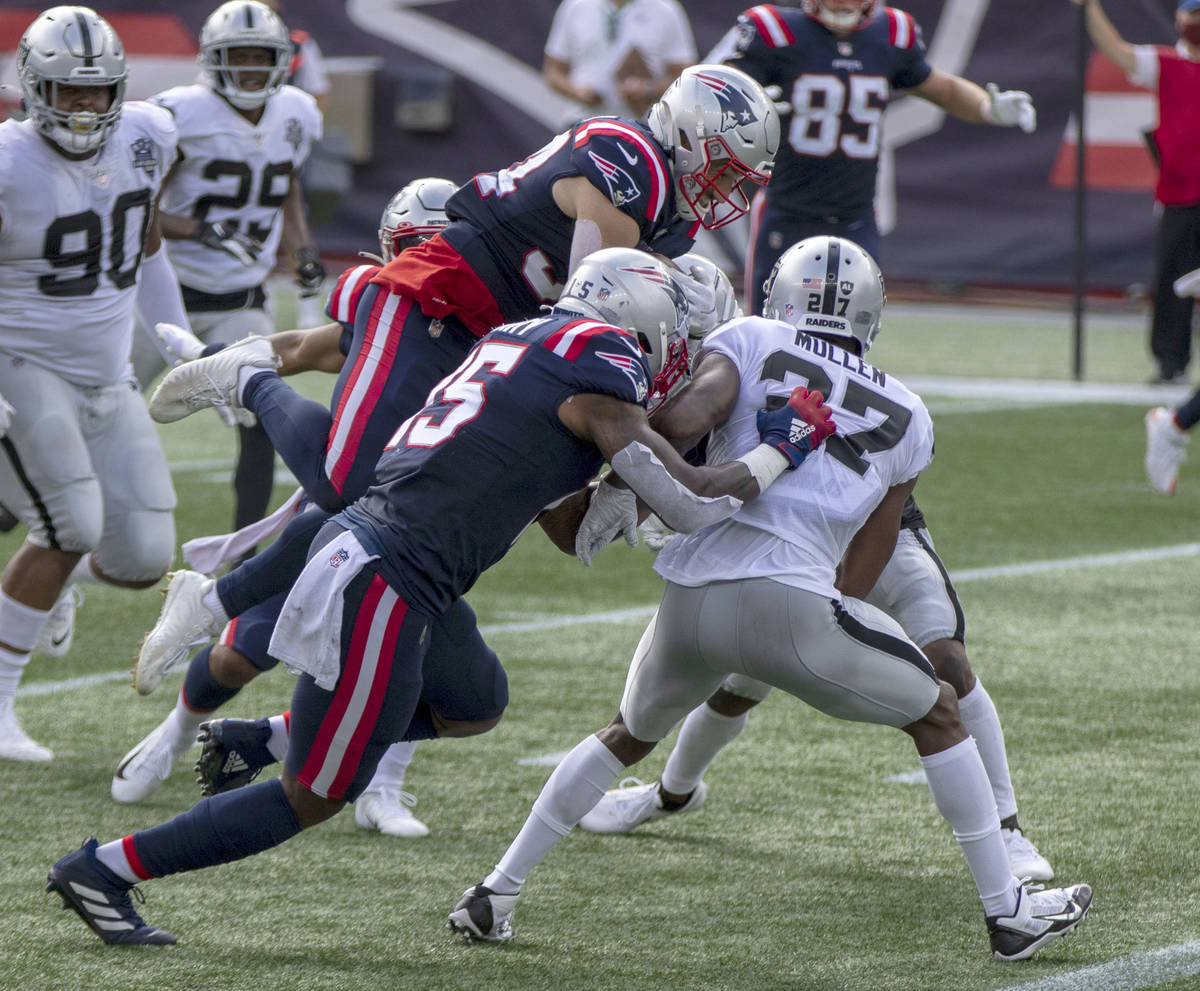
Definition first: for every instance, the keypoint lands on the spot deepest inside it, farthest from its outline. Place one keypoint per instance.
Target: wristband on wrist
(766, 464)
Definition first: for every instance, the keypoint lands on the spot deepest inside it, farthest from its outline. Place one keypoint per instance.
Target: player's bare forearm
(708, 400)
(873, 545)
(309, 350)
(959, 97)
(561, 522)
(295, 233)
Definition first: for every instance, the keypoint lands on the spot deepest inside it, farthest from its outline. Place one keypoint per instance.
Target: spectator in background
(1174, 75)
(837, 63)
(617, 56)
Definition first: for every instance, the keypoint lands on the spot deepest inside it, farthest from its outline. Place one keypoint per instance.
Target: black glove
(222, 237)
(310, 273)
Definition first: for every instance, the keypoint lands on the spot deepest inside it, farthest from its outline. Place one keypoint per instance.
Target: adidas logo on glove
(799, 430)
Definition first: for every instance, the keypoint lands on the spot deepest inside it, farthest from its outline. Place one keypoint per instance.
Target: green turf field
(806, 868)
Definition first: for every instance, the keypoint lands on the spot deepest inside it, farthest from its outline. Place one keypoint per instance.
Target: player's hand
(702, 314)
(611, 511)
(310, 273)
(775, 95)
(6, 415)
(1188, 285)
(655, 533)
(223, 237)
(1011, 108)
(797, 428)
(178, 344)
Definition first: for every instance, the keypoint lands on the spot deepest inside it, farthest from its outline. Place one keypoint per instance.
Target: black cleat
(1040, 916)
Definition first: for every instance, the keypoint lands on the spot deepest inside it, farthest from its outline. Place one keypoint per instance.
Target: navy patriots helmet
(71, 46)
(720, 131)
(827, 285)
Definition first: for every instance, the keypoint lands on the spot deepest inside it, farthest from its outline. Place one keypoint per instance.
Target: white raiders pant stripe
(43, 512)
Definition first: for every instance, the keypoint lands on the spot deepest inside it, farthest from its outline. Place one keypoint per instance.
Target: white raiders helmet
(71, 46)
(719, 128)
(635, 291)
(839, 20)
(414, 215)
(244, 24)
(827, 285)
(710, 274)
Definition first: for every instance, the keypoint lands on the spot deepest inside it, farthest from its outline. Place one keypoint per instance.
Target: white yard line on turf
(638, 613)
(1141, 970)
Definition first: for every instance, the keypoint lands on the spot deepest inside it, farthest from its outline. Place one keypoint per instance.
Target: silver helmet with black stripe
(827, 285)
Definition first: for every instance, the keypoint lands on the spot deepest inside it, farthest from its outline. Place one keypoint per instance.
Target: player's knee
(462, 727)
(725, 703)
(622, 744)
(943, 716)
(139, 550)
(72, 519)
(230, 668)
(310, 808)
(949, 659)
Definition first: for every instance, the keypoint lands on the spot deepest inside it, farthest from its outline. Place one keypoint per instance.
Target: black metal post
(1080, 267)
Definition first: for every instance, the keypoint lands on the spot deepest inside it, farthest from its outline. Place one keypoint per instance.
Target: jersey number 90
(77, 242)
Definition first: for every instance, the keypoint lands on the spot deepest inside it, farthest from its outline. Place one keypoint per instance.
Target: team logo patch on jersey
(339, 557)
(142, 155)
(293, 133)
(622, 188)
(631, 367)
(736, 110)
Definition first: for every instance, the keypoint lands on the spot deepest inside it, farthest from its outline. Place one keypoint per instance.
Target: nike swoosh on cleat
(58, 641)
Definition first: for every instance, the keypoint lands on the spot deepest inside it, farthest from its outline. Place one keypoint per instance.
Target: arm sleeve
(158, 296)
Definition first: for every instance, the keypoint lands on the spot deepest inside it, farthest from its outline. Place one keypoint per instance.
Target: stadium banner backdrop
(958, 203)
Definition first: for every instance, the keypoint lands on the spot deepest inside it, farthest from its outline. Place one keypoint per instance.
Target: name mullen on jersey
(851, 362)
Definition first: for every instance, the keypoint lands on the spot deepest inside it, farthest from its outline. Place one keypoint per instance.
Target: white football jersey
(71, 241)
(797, 531)
(235, 172)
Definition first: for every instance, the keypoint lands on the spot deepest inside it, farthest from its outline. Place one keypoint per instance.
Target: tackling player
(838, 63)
(526, 420)
(755, 593)
(79, 250)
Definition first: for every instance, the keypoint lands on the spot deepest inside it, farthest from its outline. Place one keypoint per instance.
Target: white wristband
(766, 464)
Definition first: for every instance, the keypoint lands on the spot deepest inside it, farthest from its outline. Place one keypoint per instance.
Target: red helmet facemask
(702, 189)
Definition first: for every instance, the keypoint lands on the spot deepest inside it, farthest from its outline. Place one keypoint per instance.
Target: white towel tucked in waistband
(211, 554)
(308, 633)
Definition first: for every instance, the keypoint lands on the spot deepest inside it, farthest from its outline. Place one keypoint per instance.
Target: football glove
(224, 237)
(310, 273)
(177, 344)
(610, 511)
(797, 428)
(1010, 108)
(6, 415)
(702, 303)
(655, 533)
(1188, 285)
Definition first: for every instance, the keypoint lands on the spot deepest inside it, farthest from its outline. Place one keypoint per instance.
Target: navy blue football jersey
(464, 476)
(838, 89)
(516, 238)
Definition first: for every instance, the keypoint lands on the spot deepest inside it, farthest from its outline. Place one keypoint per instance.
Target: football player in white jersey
(79, 249)
(758, 591)
(234, 199)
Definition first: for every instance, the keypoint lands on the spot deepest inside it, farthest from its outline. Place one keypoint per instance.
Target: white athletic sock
(112, 856)
(963, 796)
(389, 775)
(186, 722)
(83, 573)
(979, 718)
(572, 791)
(20, 626)
(280, 734)
(704, 734)
(12, 664)
(212, 602)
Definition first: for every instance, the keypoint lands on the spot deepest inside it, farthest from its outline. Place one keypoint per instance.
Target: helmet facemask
(713, 205)
(71, 46)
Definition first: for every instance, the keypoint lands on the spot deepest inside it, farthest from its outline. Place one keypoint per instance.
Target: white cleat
(211, 381)
(624, 808)
(15, 743)
(1040, 916)
(56, 636)
(143, 770)
(390, 813)
(1166, 448)
(483, 914)
(184, 623)
(1023, 857)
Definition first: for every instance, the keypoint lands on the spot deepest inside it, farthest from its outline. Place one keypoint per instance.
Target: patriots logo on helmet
(630, 366)
(622, 187)
(736, 110)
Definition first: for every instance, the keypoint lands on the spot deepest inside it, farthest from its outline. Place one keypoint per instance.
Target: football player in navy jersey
(837, 63)
(525, 421)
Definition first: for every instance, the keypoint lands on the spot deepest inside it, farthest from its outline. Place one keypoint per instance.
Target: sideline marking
(1141, 970)
(638, 613)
